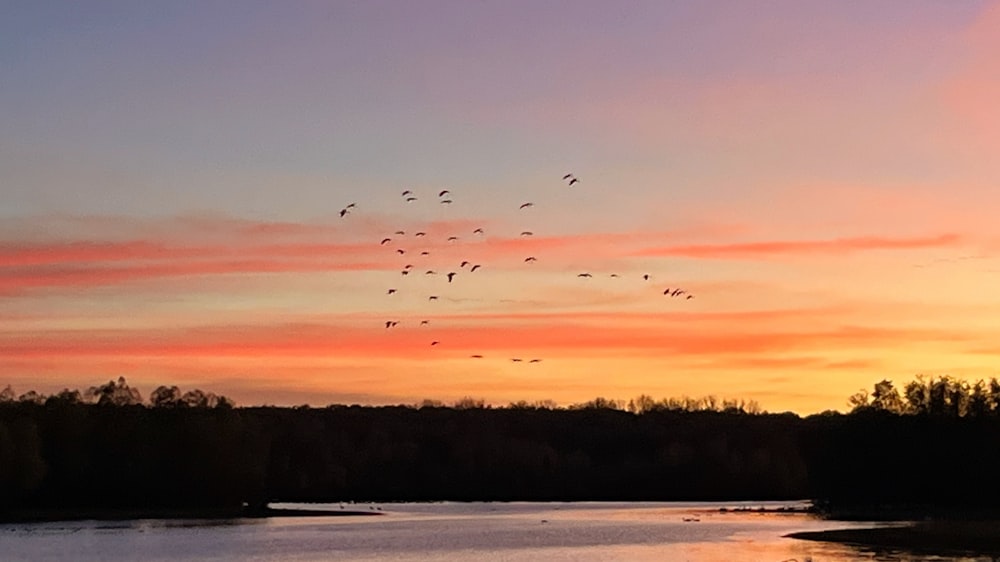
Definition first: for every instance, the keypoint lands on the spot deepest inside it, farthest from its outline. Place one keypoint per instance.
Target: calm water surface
(553, 532)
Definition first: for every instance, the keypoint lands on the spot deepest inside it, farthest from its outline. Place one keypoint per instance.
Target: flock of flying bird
(444, 198)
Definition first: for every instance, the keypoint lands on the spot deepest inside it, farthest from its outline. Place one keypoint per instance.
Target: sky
(821, 178)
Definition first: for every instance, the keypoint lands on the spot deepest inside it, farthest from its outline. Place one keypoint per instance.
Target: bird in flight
(410, 199)
(425, 253)
(646, 277)
(567, 176)
(432, 298)
(421, 234)
(408, 266)
(535, 361)
(444, 192)
(446, 201)
(407, 192)
(689, 297)
(343, 212)
(584, 275)
(530, 259)
(430, 272)
(614, 276)
(424, 322)
(451, 275)
(476, 356)
(574, 180)
(452, 238)
(526, 205)
(390, 291)
(400, 251)
(463, 264)
(516, 359)
(478, 231)
(527, 233)
(405, 271)
(390, 324)
(350, 206)
(385, 241)
(435, 342)
(475, 267)
(400, 233)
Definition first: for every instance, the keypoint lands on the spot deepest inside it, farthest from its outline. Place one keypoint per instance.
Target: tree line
(936, 396)
(107, 448)
(119, 393)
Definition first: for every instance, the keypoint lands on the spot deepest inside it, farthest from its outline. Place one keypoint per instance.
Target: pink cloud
(836, 246)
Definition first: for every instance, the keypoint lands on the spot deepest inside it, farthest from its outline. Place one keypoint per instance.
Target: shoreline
(54, 515)
(942, 538)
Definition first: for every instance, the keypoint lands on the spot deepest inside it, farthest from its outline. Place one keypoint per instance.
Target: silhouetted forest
(107, 448)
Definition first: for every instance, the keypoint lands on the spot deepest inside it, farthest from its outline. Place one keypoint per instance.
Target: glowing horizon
(821, 178)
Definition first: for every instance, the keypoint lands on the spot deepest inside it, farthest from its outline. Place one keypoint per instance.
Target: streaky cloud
(835, 246)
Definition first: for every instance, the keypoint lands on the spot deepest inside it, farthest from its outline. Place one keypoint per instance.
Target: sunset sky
(824, 177)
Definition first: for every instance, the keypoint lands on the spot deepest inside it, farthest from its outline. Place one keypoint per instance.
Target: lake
(552, 532)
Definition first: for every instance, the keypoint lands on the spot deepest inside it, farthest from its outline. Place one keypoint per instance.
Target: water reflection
(450, 531)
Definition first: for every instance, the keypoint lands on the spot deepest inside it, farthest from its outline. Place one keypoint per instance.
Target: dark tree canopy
(107, 449)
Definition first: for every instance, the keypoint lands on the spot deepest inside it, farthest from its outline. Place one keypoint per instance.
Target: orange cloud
(367, 338)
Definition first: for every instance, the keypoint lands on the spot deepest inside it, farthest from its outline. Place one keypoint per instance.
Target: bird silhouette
(567, 176)
(614, 276)
(476, 356)
(584, 275)
(444, 192)
(526, 205)
(574, 180)
(421, 234)
(400, 251)
(689, 297)
(432, 298)
(452, 238)
(410, 199)
(646, 277)
(451, 275)
(424, 322)
(475, 267)
(408, 266)
(425, 253)
(446, 201)
(478, 231)
(435, 342)
(390, 324)
(350, 206)
(390, 291)
(666, 291)
(530, 259)
(400, 233)
(516, 359)
(405, 272)
(430, 272)
(463, 264)
(527, 233)
(385, 241)
(343, 212)
(535, 361)
(407, 192)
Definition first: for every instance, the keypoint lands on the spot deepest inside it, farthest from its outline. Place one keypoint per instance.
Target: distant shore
(942, 538)
(41, 515)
